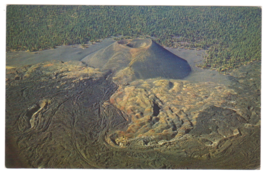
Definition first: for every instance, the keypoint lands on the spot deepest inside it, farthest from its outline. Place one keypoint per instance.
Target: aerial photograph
(133, 87)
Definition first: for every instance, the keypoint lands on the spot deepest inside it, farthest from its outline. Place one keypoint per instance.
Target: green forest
(231, 36)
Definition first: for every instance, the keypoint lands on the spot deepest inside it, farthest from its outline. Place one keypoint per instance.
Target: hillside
(138, 59)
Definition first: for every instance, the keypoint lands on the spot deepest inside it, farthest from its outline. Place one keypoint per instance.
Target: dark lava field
(129, 104)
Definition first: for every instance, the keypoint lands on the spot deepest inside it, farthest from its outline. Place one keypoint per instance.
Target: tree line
(231, 35)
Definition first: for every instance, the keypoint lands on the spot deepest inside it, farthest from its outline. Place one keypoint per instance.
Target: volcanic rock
(138, 59)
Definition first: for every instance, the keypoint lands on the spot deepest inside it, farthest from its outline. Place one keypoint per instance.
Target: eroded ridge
(168, 110)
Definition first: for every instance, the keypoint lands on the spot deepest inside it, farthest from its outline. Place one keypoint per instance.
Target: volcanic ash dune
(138, 59)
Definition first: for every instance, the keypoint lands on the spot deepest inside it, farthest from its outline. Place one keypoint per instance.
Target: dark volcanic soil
(60, 115)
